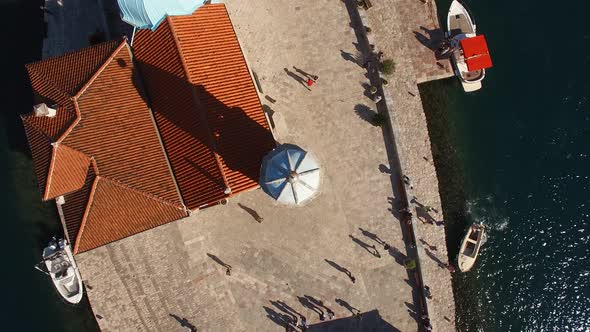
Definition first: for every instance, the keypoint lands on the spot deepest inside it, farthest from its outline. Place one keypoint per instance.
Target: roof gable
(67, 171)
(134, 212)
(69, 72)
(116, 128)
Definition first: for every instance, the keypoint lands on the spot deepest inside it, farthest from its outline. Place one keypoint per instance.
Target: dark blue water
(518, 156)
(29, 301)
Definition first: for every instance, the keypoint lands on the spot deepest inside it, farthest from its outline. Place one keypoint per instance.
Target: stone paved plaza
(173, 275)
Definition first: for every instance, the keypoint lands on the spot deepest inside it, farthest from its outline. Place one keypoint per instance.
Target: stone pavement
(163, 278)
(400, 32)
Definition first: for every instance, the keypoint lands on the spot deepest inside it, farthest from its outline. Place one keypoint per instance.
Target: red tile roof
(67, 171)
(216, 134)
(102, 150)
(135, 211)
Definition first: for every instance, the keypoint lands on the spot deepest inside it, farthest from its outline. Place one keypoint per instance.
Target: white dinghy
(470, 247)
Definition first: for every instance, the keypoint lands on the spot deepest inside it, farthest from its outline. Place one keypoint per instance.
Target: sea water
(518, 160)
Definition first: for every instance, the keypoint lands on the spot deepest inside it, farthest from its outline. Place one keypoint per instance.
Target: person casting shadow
(222, 263)
(370, 249)
(298, 78)
(184, 322)
(251, 212)
(341, 269)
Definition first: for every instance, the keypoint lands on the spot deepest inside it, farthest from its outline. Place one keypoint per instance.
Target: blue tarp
(148, 14)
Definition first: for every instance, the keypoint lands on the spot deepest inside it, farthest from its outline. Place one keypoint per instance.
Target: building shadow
(366, 321)
(219, 142)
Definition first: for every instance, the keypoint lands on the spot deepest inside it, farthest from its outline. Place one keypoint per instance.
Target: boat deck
(459, 24)
(467, 75)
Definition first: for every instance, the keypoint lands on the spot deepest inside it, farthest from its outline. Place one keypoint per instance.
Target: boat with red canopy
(469, 51)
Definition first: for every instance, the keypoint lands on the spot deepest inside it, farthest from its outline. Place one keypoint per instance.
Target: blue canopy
(290, 175)
(148, 14)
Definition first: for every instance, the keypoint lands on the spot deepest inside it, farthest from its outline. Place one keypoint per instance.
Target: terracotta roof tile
(216, 65)
(104, 116)
(205, 104)
(117, 129)
(75, 206)
(41, 151)
(134, 212)
(67, 171)
(69, 72)
(55, 126)
(182, 127)
(108, 160)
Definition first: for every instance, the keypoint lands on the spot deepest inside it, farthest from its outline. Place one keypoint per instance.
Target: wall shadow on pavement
(367, 321)
(399, 200)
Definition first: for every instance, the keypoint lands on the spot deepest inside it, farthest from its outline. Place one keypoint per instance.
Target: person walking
(330, 314)
(303, 323)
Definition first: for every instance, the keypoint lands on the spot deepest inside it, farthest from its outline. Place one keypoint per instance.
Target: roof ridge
(144, 91)
(141, 192)
(50, 170)
(198, 102)
(100, 69)
(84, 88)
(121, 185)
(85, 215)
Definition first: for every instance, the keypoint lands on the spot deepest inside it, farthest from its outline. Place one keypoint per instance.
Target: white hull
(63, 271)
(460, 25)
(470, 247)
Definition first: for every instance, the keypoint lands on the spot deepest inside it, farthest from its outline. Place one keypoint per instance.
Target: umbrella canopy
(148, 14)
(290, 175)
(477, 55)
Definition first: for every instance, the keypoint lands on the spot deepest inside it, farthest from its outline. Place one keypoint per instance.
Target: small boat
(469, 51)
(62, 269)
(470, 247)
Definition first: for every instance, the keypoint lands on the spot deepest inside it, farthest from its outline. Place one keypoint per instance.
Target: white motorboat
(469, 51)
(60, 264)
(470, 247)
